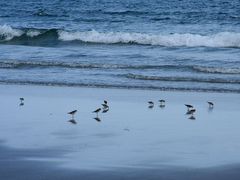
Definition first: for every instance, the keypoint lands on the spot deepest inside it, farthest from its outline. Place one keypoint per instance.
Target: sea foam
(7, 32)
(33, 33)
(217, 70)
(222, 39)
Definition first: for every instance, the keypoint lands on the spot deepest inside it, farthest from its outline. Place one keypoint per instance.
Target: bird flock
(105, 108)
(190, 108)
(151, 104)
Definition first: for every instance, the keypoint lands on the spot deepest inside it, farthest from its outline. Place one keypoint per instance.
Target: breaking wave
(27, 36)
(51, 36)
(223, 39)
(7, 33)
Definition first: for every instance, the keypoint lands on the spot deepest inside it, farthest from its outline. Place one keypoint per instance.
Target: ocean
(155, 44)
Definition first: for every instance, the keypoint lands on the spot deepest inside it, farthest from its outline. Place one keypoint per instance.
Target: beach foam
(221, 39)
(7, 32)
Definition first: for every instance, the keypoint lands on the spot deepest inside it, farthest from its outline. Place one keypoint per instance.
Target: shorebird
(105, 110)
(72, 113)
(97, 111)
(150, 104)
(162, 103)
(72, 121)
(105, 106)
(188, 106)
(210, 104)
(21, 101)
(191, 111)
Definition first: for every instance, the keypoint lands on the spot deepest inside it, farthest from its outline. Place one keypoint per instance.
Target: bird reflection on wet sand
(192, 117)
(72, 121)
(150, 107)
(162, 106)
(97, 119)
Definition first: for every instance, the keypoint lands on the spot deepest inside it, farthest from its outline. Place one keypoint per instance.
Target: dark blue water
(167, 45)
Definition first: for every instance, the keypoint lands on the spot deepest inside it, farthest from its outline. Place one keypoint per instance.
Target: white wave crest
(33, 33)
(223, 39)
(7, 32)
(218, 70)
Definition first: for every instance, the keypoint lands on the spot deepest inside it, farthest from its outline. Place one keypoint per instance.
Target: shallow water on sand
(130, 135)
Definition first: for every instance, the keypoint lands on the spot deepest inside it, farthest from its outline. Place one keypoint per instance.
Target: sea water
(155, 44)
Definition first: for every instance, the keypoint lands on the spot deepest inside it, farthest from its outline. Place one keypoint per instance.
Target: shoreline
(145, 143)
(163, 89)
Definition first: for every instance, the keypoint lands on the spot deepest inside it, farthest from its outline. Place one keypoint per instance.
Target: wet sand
(13, 167)
(131, 141)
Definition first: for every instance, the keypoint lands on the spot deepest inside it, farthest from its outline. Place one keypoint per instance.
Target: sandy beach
(130, 141)
(97, 90)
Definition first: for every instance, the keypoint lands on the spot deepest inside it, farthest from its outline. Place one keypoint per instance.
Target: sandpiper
(188, 106)
(162, 101)
(72, 113)
(210, 104)
(191, 111)
(97, 111)
(105, 110)
(150, 104)
(21, 101)
(105, 106)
